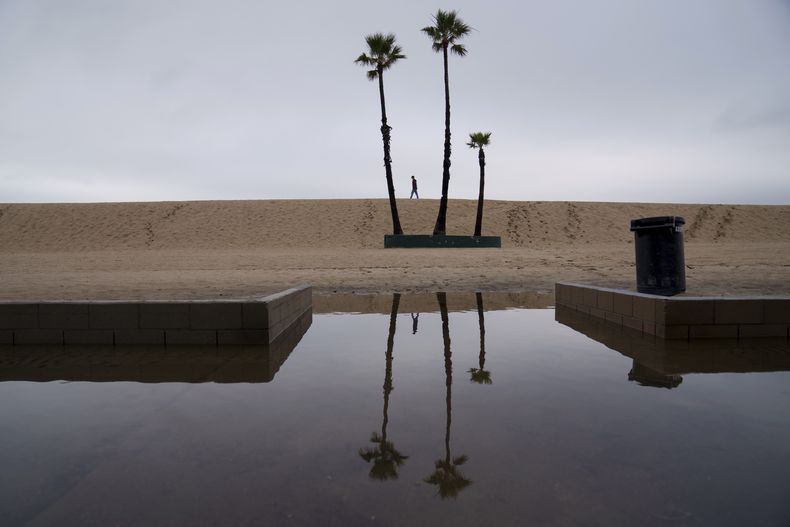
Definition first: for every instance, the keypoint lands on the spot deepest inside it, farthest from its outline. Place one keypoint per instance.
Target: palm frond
(430, 31)
(479, 139)
(382, 53)
(386, 459)
(373, 75)
(448, 478)
(480, 376)
(364, 60)
(459, 50)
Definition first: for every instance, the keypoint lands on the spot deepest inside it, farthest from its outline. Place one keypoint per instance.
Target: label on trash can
(678, 228)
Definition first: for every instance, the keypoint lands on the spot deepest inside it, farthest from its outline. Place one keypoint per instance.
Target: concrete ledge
(680, 318)
(256, 321)
(427, 241)
(151, 364)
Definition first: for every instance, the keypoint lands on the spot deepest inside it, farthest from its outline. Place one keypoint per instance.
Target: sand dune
(201, 249)
(357, 224)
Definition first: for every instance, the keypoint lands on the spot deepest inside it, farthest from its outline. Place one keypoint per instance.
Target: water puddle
(427, 410)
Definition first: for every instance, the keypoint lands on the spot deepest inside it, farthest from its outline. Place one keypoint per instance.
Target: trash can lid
(657, 222)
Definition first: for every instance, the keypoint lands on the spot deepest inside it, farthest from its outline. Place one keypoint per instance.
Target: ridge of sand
(207, 249)
(358, 224)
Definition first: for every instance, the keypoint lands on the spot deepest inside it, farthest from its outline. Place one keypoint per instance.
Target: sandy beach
(220, 249)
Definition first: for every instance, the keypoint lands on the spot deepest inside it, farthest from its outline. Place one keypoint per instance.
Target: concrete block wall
(682, 317)
(149, 364)
(257, 321)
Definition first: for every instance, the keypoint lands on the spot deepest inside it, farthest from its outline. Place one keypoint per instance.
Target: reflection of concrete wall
(193, 364)
(185, 322)
(681, 317)
(669, 357)
(426, 302)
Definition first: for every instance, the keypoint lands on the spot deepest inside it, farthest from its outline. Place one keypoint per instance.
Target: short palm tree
(481, 375)
(385, 457)
(444, 34)
(479, 140)
(382, 54)
(446, 475)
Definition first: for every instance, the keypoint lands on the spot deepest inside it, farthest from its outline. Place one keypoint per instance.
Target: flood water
(402, 417)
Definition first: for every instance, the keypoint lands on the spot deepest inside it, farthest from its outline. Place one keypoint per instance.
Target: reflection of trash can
(660, 264)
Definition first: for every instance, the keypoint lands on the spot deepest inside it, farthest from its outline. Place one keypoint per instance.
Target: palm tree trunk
(385, 137)
(388, 367)
(481, 157)
(441, 219)
(481, 322)
(448, 371)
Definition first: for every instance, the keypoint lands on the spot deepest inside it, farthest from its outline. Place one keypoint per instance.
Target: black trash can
(660, 264)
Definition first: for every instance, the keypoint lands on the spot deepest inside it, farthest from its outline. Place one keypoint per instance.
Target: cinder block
(689, 312)
(577, 293)
(275, 314)
(6, 337)
(614, 318)
(255, 315)
(623, 303)
(164, 316)
(645, 308)
(713, 331)
(307, 296)
(88, 336)
(215, 316)
(18, 316)
(63, 316)
(583, 309)
(777, 311)
(649, 327)
(633, 323)
(179, 337)
(125, 337)
(38, 336)
(595, 312)
(738, 311)
(672, 332)
(762, 330)
(113, 316)
(561, 294)
(590, 297)
(606, 300)
(242, 336)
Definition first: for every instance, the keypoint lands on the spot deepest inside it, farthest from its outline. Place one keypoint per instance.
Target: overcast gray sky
(606, 100)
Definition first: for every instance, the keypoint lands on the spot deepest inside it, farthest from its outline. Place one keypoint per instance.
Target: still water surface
(505, 417)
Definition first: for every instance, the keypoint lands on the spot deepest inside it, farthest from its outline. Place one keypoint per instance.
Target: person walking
(414, 189)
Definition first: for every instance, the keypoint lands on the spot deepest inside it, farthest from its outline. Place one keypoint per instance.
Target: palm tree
(479, 140)
(446, 475)
(447, 29)
(386, 458)
(382, 54)
(480, 375)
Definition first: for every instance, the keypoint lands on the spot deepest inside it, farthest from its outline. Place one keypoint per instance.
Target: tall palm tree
(447, 29)
(447, 475)
(385, 457)
(479, 140)
(480, 375)
(382, 54)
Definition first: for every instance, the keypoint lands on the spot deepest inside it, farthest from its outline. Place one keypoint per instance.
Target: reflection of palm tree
(414, 320)
(447, 476)
(386, 459)
(480, 375)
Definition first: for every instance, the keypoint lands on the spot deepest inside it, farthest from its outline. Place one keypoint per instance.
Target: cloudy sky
(611, 100)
